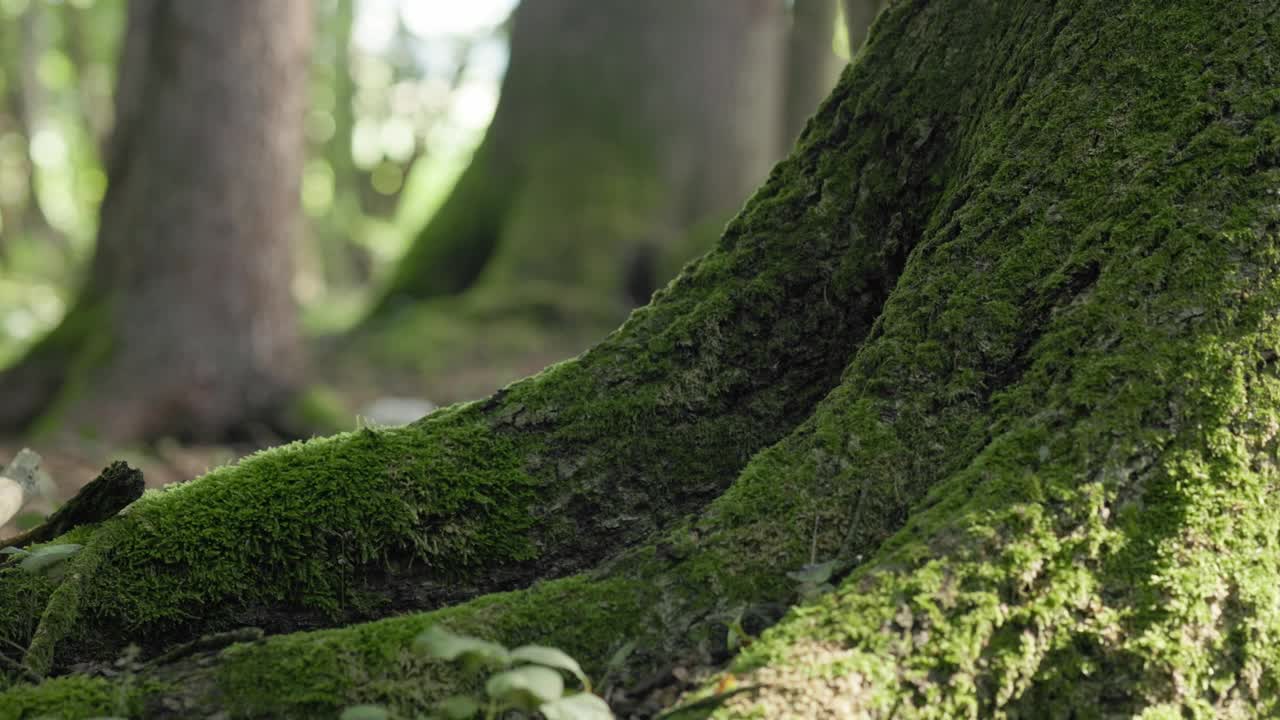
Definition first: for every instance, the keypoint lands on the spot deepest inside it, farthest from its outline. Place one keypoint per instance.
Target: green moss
(23, 597)
(70, 698)
(631, 437)
(274, 527)
(1047, 468)
(298, 525)
(62, 611)
(316, 674)
(669, 407)
(1070, 414)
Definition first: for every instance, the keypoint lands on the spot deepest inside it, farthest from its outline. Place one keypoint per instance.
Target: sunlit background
(402, 91)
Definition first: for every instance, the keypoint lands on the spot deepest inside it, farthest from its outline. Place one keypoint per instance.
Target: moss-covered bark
(642, 429)
(1045, 473)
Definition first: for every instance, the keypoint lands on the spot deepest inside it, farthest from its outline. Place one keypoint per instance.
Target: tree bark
(998, 341)
(620, 126)
(186, 325)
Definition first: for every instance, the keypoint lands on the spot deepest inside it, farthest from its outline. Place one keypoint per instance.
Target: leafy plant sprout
(528, 678)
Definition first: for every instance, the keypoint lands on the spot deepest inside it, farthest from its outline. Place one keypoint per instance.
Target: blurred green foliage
(57, 65)
(400, 93)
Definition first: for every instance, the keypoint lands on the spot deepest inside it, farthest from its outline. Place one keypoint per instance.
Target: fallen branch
(104, 496)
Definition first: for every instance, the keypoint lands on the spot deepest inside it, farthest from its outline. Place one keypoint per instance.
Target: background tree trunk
(858, 16)
(620, 126)
(186, 324)
(812, 64)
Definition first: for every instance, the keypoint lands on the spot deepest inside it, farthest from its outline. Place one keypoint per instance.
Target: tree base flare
(998, 342)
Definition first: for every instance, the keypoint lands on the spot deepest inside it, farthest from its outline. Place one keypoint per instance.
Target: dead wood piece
(104, 496)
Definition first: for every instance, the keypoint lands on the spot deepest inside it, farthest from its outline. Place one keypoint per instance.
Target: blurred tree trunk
(858, 16)
(186, 325)
(342, 262)
(812, 64)
(621, 126)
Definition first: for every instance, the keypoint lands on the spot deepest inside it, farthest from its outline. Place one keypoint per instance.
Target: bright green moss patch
(70, 698)
(294, 524)
(319, 673)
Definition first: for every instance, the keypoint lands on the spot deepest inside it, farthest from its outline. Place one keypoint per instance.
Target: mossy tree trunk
(999, 341)
(186, 324)
(620, 126)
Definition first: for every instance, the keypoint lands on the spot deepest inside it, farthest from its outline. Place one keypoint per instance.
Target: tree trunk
(186, 325)
(858, 16)
(812, 64)
(620, 126)
(626, 135)
(998, 341)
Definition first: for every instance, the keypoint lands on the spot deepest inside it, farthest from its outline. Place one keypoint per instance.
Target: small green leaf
(44, 559)
(365, 712)
(11, 550)
(619, 658)
(459, 707)
(735, 638)
(444, 644)
(526, 687)
(814, 574)
(813, 592)
(581, 706)
(552, 658)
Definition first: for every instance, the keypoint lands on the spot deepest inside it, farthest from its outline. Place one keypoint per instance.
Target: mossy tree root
(547, 477)
(1046, 474)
